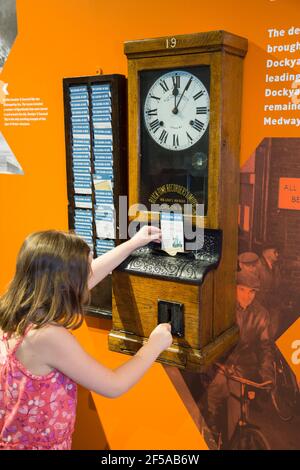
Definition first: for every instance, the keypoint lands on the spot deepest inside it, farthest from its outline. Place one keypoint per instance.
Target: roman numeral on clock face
(164, 85)
(198, 125)
(201, 110)
(154, 125)
(155, 97)
(163, 136)
(151, 112)
(190, 139)
(175, 140)
(198, 95)
(176, 81)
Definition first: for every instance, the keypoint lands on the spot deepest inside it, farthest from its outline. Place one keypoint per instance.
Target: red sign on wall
(289, 193)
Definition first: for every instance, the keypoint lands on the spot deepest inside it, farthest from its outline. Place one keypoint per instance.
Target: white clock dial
(176, 110)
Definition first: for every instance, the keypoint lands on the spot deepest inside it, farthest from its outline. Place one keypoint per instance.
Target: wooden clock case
(196, 292)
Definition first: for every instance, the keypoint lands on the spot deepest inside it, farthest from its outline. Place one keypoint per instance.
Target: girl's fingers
(154, 237)
(154, 229)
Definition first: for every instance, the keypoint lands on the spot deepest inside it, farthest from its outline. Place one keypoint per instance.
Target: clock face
(176, 110)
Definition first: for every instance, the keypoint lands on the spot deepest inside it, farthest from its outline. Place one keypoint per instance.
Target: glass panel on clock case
(174, 123)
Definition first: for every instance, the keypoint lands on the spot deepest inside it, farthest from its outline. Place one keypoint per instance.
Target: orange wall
(77, 37)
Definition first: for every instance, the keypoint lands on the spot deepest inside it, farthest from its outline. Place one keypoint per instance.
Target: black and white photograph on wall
(250, 399)
(8, 161)
(8, 28)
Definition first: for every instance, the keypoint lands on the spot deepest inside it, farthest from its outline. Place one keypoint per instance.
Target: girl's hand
(161, 336)
(146, 234)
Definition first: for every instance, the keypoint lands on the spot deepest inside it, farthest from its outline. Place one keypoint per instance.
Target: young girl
(40, 360)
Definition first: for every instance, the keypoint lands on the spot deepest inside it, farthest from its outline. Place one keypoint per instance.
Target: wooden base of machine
(178, 356)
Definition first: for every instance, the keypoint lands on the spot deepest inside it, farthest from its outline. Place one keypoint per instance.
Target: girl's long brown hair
(50, 283)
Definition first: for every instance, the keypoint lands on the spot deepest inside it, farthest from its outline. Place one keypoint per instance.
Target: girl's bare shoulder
(49, 342)
(42, 340)
(51, 332)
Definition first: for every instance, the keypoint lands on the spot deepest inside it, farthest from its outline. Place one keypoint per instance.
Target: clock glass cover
(174, 121)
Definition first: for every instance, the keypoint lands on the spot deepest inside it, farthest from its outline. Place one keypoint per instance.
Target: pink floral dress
(37, 412)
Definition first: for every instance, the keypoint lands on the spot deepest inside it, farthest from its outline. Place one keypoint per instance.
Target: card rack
(96, 157)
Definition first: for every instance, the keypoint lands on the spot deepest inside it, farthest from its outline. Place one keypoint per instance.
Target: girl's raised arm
(104, 264)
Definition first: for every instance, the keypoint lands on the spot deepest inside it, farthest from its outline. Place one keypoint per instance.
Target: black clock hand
(175, 110)
(175, 93)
